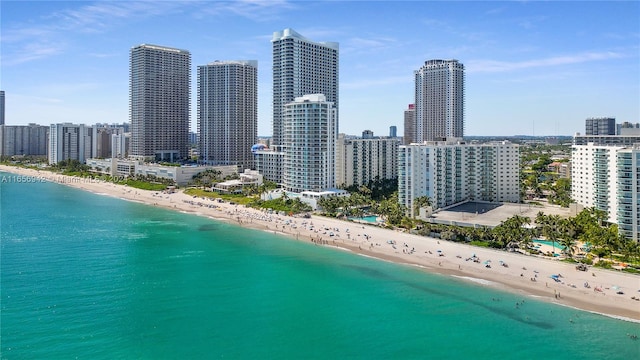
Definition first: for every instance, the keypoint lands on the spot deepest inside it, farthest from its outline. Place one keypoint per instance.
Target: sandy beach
(595, 290)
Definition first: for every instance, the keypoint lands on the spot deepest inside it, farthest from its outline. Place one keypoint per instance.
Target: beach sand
(523, 274)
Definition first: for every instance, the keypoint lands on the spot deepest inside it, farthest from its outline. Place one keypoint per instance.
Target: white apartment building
(228, 112)
(301, 67)
(628, 192)
(269, 163)
(439, 101)
(606, 177)
(310, 135)
(69, 142)
(29, 139)
(359, 161)
(120, 145)
(159, 102)
(453, 172)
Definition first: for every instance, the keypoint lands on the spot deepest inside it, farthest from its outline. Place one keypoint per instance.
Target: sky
(531, 67)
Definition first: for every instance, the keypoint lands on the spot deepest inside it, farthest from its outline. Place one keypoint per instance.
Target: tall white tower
(228, 112)
(439, 105)
(301, 67)
(310, 132)
(159, 102)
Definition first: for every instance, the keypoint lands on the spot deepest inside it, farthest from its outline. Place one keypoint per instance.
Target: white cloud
(504, 66)
(256, 10)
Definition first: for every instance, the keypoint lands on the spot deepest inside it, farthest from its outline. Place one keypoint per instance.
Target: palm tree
(551, 232)
(420, 202)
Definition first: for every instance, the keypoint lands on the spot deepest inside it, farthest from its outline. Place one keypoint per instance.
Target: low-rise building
(181, 175)
(247, 178)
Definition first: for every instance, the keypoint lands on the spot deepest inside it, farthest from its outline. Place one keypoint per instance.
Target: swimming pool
(546, 242)
(370, 218)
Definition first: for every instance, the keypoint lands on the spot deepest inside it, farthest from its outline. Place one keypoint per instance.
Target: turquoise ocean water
(92, 277)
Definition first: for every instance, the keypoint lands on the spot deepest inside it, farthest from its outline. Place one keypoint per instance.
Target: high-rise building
(228, 112)
(393, 131)
(439, 100)
(23, 140)
(367, 134)
(102, 143)
(410, 125)
(159, 102)
(69, 142)
(607, 177)
(310, 135)
(452, 172)
(1, 107)
(600, 126)
(301, 67)
(359, 161)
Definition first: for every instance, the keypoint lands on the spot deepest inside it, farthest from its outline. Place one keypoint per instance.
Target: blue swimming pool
(546, 242)
(371, 218)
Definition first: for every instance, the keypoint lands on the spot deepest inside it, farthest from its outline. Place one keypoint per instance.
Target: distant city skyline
(532, 68)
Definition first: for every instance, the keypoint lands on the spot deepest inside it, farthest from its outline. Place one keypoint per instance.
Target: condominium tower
(361, 161)
(159, 102)
(409, 125)
(439, 101)
(600, 126)
(301, 67)
(29, 139)
(228, 112)
(607, 177)
(453, 172)
(69, 142)
(310, 132)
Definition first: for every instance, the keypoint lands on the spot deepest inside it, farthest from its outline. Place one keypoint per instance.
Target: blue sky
(532, 68)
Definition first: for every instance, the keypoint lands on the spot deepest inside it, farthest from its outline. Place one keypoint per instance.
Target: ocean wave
(475, 280)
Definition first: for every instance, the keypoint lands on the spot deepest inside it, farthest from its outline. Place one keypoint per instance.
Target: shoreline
(527, 275)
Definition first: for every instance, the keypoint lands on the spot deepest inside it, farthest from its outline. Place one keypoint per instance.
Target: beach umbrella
(439, 250)
(487, 262)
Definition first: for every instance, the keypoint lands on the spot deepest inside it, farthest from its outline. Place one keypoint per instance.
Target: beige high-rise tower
(159, 102)
(439, 105)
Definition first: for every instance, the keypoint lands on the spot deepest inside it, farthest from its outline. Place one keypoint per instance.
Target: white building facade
(450, 173)
(69, 142)
(270, 164)
(228, 112)
(181, 175)
(439, 101)
(606, 177)
(359, 161)
(310, 135)
(159, 102)
(301, 67)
